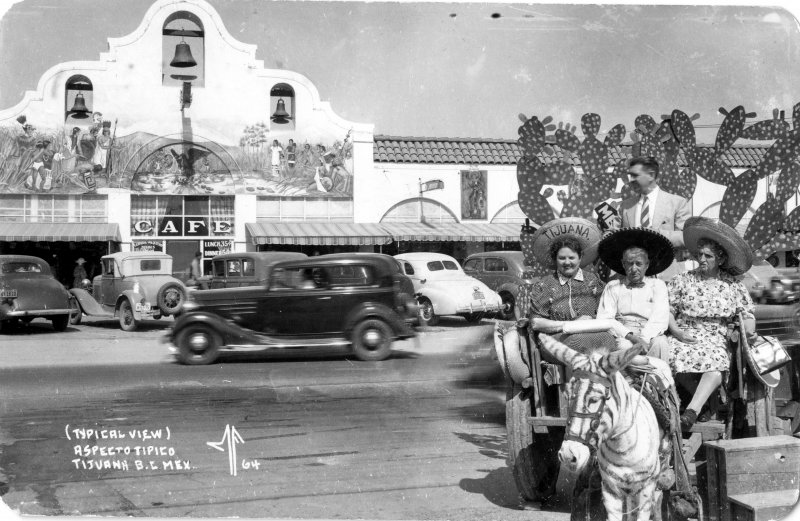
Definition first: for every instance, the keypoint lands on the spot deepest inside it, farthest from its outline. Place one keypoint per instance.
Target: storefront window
(177, 216)
(312, 209)
(54, 208)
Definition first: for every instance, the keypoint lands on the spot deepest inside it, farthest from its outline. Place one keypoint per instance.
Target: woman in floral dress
(704, 301)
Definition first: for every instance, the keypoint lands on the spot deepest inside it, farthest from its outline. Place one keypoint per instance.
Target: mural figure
(40, 173)
(21, 155)
(276, 153)
(473, 194)
(291, 157)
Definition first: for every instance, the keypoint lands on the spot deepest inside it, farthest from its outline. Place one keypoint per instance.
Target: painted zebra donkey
(609, 419)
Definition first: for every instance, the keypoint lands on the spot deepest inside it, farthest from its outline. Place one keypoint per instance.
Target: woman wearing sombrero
(703, 302)
(637, 299)
(565, 246)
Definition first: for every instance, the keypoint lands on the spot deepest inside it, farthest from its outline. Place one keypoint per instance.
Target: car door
(413, 274)
(495, 272)
(474, 268)
(108, 296)
(292, 306)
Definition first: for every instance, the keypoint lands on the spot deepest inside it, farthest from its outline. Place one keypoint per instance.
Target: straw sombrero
(740, 255)
(585, 231)
(659, 249)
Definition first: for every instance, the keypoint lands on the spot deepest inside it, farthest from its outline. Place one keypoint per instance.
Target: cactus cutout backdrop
(770, 229)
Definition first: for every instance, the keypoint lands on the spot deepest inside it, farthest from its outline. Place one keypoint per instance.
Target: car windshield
(442, 265)
(21, 267)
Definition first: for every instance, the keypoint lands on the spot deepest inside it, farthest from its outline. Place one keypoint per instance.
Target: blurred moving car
(233, 270)
(769, 286)
(442, 288)
(777, 301)
(28, 290)
(342, 299)
(133, 286)
(503, 272)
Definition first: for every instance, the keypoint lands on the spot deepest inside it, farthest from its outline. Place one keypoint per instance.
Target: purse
(765, 357)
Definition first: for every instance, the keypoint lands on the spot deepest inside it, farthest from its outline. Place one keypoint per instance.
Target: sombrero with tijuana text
(740, 255)
(659, 249)
(586, 232)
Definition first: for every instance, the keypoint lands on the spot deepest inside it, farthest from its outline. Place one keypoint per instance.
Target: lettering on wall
(182, 227)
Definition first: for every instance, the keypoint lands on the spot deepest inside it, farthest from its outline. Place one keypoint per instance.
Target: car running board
(273, 343)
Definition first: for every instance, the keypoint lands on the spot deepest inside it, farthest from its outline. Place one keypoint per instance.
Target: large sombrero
(659, 249)
(740, 255)
(586, 232)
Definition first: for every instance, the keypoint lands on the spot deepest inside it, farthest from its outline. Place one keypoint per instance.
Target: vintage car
(28, 290)
(133, 286)
(442, 288)
(777, 300)
(503, 272)
(343, 299)
(233, 270)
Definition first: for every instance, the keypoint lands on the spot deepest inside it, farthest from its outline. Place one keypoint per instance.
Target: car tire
(372, 340)
(60, 322)
(197, 345)
(127, 322)
(76, 313)
(427, 316)
(170, 298)
(474, 318)
(509, 304)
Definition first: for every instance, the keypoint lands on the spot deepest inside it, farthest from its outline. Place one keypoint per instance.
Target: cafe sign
(182, 227)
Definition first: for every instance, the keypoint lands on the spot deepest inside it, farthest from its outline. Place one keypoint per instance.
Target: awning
(310, 233)
(471, 232)
(59, 232)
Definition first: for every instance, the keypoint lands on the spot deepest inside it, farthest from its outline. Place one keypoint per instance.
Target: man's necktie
(645, 220)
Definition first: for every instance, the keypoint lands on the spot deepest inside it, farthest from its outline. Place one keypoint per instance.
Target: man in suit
(654, 208)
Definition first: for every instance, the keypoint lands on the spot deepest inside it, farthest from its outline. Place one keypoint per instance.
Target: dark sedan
(28, 290)
(355, 299)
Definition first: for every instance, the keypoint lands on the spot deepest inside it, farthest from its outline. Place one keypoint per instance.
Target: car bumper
(479, 308)
(22, 313)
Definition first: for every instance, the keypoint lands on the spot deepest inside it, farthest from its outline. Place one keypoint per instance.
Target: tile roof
(424, 150)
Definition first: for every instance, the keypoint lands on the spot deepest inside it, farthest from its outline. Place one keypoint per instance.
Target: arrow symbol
(232, 437)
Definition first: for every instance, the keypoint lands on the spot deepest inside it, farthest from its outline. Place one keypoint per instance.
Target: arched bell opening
(183, 50)
(282, 107)
(78, 100)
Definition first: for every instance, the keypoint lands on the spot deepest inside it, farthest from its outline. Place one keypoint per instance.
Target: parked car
(233, 270)
(28, 290)
(503, 272)
(442, 288)
(769, 286)
(777, 310)
(354, 299)
(133, 286)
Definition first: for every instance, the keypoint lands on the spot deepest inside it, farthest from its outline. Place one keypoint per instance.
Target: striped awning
(310, 233)
(471, 232)
(89, 232)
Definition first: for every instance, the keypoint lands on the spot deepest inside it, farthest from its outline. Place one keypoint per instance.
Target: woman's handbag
(765, 357)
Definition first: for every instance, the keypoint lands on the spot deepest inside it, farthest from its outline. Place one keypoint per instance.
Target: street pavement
(418, 436)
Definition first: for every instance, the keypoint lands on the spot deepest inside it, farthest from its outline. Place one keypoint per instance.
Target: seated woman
(568, 293)
(703, 302)
(637, 299)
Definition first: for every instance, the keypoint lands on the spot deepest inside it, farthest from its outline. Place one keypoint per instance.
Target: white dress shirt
(648, 305)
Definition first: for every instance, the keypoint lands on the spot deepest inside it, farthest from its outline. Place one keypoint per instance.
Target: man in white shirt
(638, 300)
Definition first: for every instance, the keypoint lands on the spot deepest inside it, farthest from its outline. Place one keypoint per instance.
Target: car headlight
(136, 287)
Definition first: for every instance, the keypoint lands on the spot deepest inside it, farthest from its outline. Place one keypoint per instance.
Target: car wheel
(60, 322)
(75, 314)
(474, 318)
(126, 319)
(170, 298)
(427, 316)
(372, 340)
(509, 303)
(197, 345)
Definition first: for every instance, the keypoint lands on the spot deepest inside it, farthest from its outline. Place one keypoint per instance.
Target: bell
(183, 56)
(281, 116)
(79, 110)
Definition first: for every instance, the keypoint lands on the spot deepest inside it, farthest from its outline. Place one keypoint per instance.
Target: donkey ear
(619, 359)
(564, 354)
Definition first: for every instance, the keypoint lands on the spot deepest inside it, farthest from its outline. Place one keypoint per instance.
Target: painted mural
(92, 158)
(473, 194)
(770, 229)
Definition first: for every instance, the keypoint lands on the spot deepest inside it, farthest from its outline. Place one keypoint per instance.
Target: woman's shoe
(688, 418)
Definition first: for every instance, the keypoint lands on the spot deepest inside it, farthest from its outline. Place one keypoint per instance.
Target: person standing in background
(79, 273)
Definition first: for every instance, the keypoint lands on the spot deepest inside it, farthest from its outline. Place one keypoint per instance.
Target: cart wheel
(533, 457)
